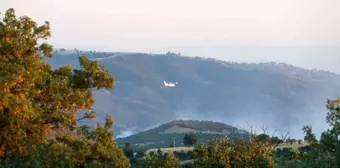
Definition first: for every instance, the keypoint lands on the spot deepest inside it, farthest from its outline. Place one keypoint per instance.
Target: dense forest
(41, 107)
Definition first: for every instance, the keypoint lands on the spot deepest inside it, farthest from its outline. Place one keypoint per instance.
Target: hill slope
(163, 135)
(276, 95)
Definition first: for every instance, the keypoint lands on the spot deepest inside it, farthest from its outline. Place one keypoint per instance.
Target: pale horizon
(305, 33)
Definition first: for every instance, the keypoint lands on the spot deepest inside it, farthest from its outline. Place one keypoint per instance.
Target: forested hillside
(164, 135)
(207, 89)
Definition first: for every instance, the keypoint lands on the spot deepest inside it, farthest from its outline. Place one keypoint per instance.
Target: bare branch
(284, 137)
(264, 130)
(251, 127)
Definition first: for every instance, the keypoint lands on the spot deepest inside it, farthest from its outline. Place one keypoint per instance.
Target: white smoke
(126, 132)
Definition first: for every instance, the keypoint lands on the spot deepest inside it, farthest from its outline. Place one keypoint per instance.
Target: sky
(300, 32)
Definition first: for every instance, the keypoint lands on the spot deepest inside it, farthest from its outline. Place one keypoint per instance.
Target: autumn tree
(68, 151)
(154, 161)
(262, 138)
(159, 161)
(214, 154)
(36, 99)
(171, 161)
(223, 153)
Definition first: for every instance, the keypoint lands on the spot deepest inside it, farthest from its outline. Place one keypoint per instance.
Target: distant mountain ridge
(199, 126)
(276, 95)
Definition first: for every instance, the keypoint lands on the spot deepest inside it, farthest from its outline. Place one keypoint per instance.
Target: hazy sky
(196, 27)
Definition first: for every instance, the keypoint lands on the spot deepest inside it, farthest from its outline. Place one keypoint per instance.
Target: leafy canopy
(66, 150)
(189, 139)
(222, 153)
(36, 99)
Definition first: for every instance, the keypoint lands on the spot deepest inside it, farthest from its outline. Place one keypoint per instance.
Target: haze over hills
(165, 134)
(274, 95)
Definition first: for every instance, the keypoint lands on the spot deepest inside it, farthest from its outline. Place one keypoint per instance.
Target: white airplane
(169, 84)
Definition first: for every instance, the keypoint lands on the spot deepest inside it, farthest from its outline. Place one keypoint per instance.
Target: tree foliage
(36, 100)
(257, 152)
(128, 151)
(222, 153)
(169, 160)
(189, 139)
(324, 152)
(68, 151)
